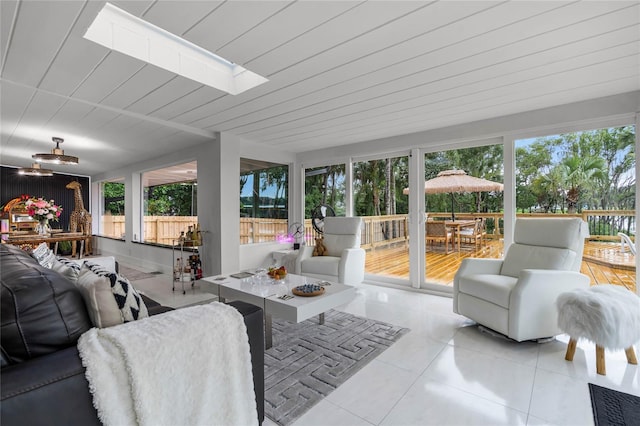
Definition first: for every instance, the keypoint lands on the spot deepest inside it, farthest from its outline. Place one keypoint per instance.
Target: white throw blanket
(190, 366)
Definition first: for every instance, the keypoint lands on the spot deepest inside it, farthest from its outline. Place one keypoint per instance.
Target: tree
(530, 162)
(174, 199)
(325, 185)
(113, 193)
(579, 173)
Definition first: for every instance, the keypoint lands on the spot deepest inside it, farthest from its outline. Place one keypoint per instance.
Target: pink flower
(41, 209)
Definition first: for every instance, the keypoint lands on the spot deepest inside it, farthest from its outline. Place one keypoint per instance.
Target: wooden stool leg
(571, 349)
(600, 366)
(631, 355)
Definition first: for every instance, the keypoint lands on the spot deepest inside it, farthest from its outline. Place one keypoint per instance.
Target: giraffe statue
(80, 220)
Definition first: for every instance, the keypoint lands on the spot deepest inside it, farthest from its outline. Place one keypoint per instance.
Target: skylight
(120, 31)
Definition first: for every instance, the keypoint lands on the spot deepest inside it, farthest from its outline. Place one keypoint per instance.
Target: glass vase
(43, 228)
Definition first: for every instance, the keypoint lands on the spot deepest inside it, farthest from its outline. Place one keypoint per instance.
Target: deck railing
(377, 231)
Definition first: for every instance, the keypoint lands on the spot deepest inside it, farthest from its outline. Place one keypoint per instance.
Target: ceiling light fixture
(123, 32)
(57, 155)
(34, 170)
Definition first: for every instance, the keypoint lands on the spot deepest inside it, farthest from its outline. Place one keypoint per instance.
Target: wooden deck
(603, 262)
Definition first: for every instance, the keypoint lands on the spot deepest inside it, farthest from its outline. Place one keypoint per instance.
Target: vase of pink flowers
(43, 211)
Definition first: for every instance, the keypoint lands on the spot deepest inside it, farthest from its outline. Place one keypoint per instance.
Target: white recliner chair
(516, 296)
(345, 260)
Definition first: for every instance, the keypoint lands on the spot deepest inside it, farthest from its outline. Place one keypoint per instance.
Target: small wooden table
(34, 239)
(457, 225)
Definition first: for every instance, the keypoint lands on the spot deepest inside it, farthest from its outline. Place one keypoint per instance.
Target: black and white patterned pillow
(44, 255)
(67, 268)
(40, 251)
(127, 298)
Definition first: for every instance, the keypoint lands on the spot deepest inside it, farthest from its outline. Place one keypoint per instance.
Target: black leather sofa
(42, 316)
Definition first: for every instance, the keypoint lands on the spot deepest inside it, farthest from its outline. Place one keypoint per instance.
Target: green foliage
(378, 186)
(113, 193)
(64, 247)
(325, 185)
(174, 199)
(592, 170)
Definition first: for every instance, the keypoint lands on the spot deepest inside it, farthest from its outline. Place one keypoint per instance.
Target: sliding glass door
(463, 198)
(378, 197)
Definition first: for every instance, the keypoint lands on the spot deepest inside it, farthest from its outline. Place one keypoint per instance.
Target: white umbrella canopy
(451, 181)
(459, 181)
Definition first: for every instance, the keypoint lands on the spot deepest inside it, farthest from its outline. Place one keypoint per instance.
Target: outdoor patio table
(457, 225)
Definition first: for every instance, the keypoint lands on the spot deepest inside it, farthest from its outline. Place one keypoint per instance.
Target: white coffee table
(266, 293)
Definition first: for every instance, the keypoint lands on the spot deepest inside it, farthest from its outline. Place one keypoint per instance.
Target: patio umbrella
(453, 181)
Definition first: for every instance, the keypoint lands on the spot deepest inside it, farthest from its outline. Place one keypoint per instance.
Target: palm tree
(580, 173)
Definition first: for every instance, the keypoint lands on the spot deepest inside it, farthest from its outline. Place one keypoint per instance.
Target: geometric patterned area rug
(308, 360)
(611, 407)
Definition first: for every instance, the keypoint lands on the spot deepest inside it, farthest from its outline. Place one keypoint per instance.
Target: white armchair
(516, 296)
(345, 260)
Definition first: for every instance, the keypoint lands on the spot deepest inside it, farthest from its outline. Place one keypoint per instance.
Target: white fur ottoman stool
(608, 315)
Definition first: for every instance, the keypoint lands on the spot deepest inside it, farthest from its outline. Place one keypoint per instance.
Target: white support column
(218, 189)
(348, 185)
(296, 193)
(137, 222)
(509, 190)
(416, 218)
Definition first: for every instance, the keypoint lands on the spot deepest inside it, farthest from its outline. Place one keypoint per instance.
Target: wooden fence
(377, 231)
(157, 229)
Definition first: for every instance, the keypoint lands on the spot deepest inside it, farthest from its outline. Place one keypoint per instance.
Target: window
(170, 198)
(112, 214)
(591, 175)
(264, 201)
(378, 198)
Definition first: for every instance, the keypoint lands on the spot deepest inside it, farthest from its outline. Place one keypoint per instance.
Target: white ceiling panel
(461, 58)
(318, 71)
(283, 27)
(230, 21)
(69, 113)
(339, 72)
(164, 95)
(354, 23)
(175, 17)
(97, 118)
(8, 11)
(426, 84)
(41, 28)
(379, 121)
(111, 73)
(141, 84)
(14, 100)
(188, 102)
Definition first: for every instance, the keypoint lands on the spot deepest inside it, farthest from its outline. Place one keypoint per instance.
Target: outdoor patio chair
(475, 235)
(344, 262)
(437, 232)
(516, 296)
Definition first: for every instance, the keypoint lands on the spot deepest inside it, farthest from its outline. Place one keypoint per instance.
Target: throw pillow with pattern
(67, 268)
(110, 298)
(44, 255)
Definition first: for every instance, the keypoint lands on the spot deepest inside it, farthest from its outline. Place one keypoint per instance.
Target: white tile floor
(445, 372)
